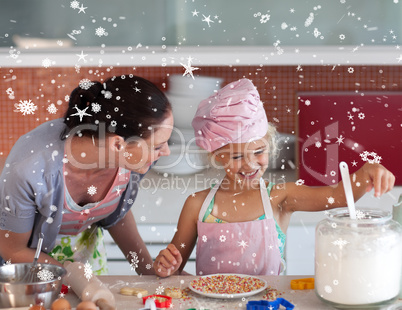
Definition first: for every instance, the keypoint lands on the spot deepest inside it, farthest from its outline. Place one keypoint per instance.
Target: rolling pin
(88, 288)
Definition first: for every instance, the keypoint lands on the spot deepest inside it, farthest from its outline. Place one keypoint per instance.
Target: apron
(242, 247)
(86, 247)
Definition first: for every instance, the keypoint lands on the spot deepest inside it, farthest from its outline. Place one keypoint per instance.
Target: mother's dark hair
(126, 105)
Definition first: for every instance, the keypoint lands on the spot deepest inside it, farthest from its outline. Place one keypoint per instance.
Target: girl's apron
(242, 247)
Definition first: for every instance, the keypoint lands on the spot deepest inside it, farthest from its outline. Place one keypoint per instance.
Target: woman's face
(139, 154)
(244, 163)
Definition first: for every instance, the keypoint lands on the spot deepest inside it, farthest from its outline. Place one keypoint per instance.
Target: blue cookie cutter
(269, 305)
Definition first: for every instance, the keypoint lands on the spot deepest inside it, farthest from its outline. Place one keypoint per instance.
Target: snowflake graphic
(189, 69)
(222, 238)
(92, 190)
(208, 20)
(107, 94)
(25, 107)
(204, 238)
(47, 62)
(51, 108)
(370, 157)
(143, 218)
(340, 139)
(309, 20)
(148, 266)
(88, 271)
(307, 102)
(316, 33)
(159, 290)
(318, 144)
(74, 4)
(81, 113)
(342, 36)
(243, 244)
(264, 18)
(351, 70)
(331, 200)
(100, 32)
(328, 289)
(45, 275)
(299, 182)
(340, 242)
(360, 214)
(86, 84)
(9, 91)
(134, 260)
(95, 107)
(361, 115)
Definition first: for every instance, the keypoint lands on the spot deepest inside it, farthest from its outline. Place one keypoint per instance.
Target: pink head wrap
(234, 114)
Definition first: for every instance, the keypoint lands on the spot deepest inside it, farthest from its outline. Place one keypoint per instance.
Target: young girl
(239, 224)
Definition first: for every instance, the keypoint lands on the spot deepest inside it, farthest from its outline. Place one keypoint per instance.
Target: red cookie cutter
(161, 301)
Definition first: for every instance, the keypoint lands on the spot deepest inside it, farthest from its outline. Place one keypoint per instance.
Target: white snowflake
(307, 102)
(331, 200)
(143, 218)
(81, 113)
(86, 84)
(370, 157)
(159, 290)
(88, 271)
(92, 190)
(9, 91)
(342, 36)
(189, 69)
(222, 238)
(264, 18)
(51, 108)
(95, 107)
(25, 107)
(107, 94)
(340, 139)
(328, 289)
(100, 32)
(45, 275)
(148, 266)
(309, 20)
(318, 144)
(360, 214)
(361, 115)
(47, 62)
(204, 238)
(299, 182)
(243, 244)
(74, 4)
(340, 243)
(351, 70)
(134, 260)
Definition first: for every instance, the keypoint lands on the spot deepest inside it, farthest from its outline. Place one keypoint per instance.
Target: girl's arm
(127, 237)
(176, 255)
(292, 197)
(13, 248)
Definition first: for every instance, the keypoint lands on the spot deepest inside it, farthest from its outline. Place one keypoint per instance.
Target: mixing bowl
(14, 292)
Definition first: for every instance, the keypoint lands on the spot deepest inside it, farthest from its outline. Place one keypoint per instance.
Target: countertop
(302, 299)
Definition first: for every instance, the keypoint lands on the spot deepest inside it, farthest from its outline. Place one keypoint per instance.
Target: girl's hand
(168, 261)
(379, 178)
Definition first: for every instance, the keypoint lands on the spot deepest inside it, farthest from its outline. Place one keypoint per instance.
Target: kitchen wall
(278, 87)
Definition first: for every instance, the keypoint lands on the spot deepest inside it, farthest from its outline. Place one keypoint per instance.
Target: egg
(37, 307)
(61, 304)
(86, 305)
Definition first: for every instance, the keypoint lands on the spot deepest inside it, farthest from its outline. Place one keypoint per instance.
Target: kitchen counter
(302, 299)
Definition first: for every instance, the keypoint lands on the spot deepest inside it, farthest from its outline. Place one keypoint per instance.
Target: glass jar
(358, 262)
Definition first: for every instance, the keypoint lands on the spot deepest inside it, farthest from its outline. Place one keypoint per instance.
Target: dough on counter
(173, 292)
(133, 291)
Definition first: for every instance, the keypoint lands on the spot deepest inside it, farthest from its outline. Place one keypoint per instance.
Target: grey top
(32, 186)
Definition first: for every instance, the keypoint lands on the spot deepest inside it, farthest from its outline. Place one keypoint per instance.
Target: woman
(68, 179)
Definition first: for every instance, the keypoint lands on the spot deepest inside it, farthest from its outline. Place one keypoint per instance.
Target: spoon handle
(347, 186)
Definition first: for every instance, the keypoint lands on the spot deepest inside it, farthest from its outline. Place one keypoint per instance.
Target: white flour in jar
(358, 269)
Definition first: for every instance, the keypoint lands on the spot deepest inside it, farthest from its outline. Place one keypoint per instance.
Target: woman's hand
(168, 261)
(379, 178)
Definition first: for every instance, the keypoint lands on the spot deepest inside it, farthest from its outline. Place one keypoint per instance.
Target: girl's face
(139, 154)
(244, 162)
